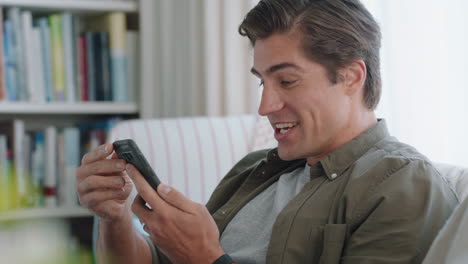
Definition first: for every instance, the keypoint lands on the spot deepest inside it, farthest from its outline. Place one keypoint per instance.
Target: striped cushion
(191, 154)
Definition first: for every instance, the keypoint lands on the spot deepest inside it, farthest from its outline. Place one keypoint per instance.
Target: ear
(354, 77)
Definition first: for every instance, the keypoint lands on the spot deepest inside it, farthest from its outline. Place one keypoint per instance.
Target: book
(50, 179)
(67, 34)
(46, 58)
(77, 29)
(58, 62)
(15, 131)
(91, 73)
(102, 66)
(115, 24)
(72, 162)
(2, 60)
(61, 177)
(133, 59)
(17, 43)
(28, 51)
(83, 68)
(38, 169)
(39, 73)
(11, 71)
(4, 174)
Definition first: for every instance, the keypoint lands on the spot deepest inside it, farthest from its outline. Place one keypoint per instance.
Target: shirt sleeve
(154, 252)
(400, 217)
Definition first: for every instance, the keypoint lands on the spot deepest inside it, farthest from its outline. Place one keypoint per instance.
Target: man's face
(307, 111)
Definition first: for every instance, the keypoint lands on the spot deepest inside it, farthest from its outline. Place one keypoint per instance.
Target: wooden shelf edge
(79, 5)
(40, 213)
(68, 108)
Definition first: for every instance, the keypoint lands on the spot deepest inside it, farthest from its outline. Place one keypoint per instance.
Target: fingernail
(128, 168)
(119, 165)
(165, 189)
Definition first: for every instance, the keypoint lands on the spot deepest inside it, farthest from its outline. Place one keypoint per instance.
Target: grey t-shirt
(247, 236)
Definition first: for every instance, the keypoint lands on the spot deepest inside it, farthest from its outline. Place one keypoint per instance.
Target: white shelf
(68, 108)
(38, 213)
(77, 5)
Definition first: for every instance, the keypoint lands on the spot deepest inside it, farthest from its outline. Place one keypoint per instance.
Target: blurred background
(72, 69)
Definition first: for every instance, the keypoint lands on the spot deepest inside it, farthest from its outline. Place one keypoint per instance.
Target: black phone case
(128, 150)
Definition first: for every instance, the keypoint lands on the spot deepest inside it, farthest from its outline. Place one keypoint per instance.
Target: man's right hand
(103, 185)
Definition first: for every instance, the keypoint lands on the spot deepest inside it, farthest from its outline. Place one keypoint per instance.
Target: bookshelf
(65, 113)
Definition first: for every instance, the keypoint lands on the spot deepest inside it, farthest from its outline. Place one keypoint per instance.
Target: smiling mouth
(283, 128)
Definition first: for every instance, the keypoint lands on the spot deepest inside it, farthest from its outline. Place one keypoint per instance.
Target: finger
(99, 153)
(114, 156)
(140, 210)
(100, 168)
(175, 198)
(144, 189)
(93, 199)
(95, 182)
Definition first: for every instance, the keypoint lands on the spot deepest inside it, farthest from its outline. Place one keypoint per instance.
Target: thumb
(175, 198)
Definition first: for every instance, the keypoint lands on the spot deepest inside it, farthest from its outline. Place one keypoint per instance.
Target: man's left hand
(182, 229)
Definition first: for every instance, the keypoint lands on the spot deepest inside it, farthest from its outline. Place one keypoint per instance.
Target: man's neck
(357, 125)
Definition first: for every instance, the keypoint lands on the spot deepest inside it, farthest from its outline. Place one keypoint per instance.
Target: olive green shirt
(379, 201)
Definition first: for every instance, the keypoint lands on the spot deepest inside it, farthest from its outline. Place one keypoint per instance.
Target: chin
(286, 154)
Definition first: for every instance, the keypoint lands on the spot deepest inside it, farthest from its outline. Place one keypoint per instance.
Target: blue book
(14, 15)
(46, 63)
(72, 161)
(11, 71)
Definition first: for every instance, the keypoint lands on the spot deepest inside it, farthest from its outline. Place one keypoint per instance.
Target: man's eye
(287, 83)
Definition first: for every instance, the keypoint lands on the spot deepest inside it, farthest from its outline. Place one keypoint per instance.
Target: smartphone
(128, 150)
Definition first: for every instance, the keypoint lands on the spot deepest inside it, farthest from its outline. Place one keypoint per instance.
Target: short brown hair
(335, 33)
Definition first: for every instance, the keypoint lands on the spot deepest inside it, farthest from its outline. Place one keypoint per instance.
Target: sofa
(193, 154)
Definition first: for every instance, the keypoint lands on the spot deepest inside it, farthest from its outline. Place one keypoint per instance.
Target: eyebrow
(276, 67)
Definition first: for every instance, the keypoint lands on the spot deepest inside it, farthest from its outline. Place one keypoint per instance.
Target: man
(337, 189)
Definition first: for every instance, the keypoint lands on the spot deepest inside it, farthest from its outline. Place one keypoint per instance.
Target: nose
(270, 102)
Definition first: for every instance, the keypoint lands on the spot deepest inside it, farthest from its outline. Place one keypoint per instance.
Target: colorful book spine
(18, 159)
(2, 60)
(118, 57)
(58, 61)
(4, 174)
(67, 34)
(50, 180)
(17, 41)
(102, 64)
(38, 169)
(77, 25)
(83, 66)
(46, 58)
(39, 71)
(90, 65)
(133, 66)
(28, 51)
(72, 161)
(10, 62)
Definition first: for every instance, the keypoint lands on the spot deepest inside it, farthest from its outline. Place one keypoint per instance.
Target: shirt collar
(339, 160)
(335, 163)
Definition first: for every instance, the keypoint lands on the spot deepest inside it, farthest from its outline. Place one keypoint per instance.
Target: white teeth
(285, 125)
(283, 131)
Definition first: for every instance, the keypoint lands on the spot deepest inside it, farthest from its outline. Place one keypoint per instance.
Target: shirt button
(334, 175)
(263, 172)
